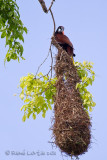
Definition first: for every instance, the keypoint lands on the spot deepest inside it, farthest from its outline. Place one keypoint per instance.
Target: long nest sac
(71, 128)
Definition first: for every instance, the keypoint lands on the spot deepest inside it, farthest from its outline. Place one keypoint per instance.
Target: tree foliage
(38, 93)
(87, 77)
(12, 29)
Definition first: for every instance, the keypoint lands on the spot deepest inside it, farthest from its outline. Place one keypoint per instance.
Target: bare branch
(51, 5)
(42, 63)
(51, 61)
(43, 6)
(53, 20)
(51, 142)
(43, 75)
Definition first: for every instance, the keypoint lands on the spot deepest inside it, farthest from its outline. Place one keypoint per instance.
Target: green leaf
(34, 116)
(40, 74)
(23, 58)
(26, 100)
(21, 37)
(90, 81)
(28, 115)
(25, 29)
(50, 107)
(77, 85)
(21, 96)
(84, 63)
(94, 104)
(93, 77)
(3, 34)
(22, 107)
(90, 109)
(18, 59)
(84, 79)
(43, 114)
(24, 118)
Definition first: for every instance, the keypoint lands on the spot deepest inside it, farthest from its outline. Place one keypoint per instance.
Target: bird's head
(60, 29)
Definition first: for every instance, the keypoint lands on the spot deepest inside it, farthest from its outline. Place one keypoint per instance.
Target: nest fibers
(71, 128)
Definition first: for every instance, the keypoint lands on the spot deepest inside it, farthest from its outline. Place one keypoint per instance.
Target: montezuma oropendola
(64, 41)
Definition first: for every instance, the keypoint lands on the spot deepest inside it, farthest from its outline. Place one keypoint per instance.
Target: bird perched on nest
(64, 41)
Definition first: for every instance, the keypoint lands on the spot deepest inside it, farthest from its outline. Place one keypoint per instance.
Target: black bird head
(60, 29)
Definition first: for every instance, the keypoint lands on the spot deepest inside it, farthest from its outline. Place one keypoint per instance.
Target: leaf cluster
(12, 29)
(87, 77)
(37, 94)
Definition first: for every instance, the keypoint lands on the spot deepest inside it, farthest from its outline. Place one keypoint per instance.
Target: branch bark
(43, 6)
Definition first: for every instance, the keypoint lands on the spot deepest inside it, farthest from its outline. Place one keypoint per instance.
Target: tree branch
(47, 10)
(51, 5)
(42, 62)
(53, 20)
(43, 6)
(50, 51)
(51, 62)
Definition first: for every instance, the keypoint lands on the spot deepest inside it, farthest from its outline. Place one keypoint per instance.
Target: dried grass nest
(71, 128)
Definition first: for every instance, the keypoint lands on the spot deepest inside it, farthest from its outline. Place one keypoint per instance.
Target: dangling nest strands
(71, 128)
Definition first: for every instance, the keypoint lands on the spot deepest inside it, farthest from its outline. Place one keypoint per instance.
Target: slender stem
(53, 20)
(42, 63)
(51, 5)
(51, 61)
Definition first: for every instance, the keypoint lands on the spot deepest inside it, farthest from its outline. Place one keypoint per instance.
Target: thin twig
(51, 62)
(43, 75)
(42, 63)
(50, 51)
(51, 142)
(51, 4)
(53, 20)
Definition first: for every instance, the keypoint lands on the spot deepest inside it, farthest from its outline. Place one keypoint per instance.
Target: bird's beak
(63, 32)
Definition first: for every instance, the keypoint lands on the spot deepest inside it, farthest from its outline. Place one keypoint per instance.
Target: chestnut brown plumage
(64, 41)
(71, 128)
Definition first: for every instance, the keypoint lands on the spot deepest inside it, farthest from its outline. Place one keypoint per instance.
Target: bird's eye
(59, 30)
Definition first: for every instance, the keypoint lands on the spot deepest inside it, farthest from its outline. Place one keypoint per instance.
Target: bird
(64, 41)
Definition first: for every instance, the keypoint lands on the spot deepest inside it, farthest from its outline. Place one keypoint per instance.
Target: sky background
(85, 24)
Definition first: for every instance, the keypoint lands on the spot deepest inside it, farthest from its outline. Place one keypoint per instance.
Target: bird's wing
(63, 39)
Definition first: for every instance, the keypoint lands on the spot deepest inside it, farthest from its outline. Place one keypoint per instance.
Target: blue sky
(85, 24)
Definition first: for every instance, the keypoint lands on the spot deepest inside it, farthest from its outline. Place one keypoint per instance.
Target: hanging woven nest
(71, 128)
